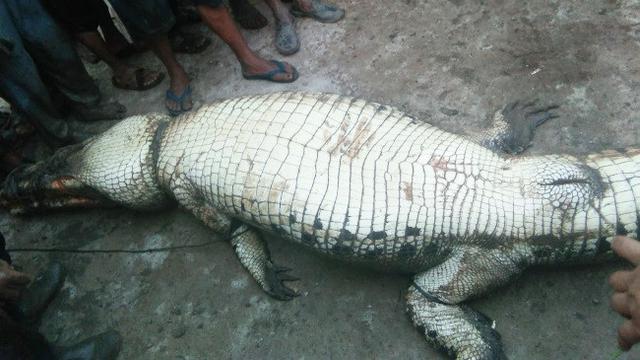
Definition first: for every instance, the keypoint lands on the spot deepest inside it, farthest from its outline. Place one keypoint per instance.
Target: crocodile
(363, 182)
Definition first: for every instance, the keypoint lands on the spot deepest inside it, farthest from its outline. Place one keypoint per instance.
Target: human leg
(151, 20)
(59, 63)
(219, 20)
(21, 84)
(286, 40)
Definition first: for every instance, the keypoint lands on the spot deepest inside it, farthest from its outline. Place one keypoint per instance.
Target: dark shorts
(79, 16)
(144, 18)
(212, 3)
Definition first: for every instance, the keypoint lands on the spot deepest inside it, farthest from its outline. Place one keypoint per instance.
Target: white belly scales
(339, 174)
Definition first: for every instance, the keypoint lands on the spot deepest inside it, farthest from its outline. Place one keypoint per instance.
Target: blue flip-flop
(180, 100)
(269, 75)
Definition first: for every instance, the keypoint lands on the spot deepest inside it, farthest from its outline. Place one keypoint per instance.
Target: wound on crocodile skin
(620, 230)
(308, 239)
(407, 250)
(341, 249)
(602, 246)
(411, 231)
(377, 235)
(292, 218)
(317, 224)
(346, 235)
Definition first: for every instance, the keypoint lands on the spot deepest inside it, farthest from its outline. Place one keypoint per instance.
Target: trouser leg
(20, 82)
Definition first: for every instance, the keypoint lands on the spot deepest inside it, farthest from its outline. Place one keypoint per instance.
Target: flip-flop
(322, 12)
(180, 100)
(137, 82)
(269, 75)
(287, 42)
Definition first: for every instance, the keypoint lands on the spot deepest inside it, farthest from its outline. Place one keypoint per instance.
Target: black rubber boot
(105, 346)
(40, 292)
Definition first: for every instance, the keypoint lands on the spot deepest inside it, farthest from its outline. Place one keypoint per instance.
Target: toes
(540, 115)
(275, 277)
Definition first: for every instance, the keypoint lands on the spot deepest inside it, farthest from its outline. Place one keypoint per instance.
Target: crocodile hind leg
(433, 301)
(254, 256)
(513, 127)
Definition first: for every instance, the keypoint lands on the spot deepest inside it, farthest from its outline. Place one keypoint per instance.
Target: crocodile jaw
(30, 190)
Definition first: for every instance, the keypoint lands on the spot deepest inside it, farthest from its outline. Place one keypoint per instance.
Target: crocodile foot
(275, 276)
(521, 119)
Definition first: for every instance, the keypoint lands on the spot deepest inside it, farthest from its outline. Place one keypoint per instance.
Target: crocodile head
(48, 185)
(113, 168)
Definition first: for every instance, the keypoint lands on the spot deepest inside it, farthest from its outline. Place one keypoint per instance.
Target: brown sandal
(137, 81)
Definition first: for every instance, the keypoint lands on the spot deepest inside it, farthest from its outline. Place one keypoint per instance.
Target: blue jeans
(41, 53)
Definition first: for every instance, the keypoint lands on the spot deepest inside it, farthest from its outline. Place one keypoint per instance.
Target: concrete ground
(449, 63)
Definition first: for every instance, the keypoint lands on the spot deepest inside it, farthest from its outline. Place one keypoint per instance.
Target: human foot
(287, 41)
(104, 346)
(101, 111)
(178, 97)
(129, 78)
(41, 291)
(271, 70)
(322, 12)
(183, 42)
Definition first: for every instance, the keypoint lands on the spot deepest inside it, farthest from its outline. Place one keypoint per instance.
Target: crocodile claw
(275, 276)
(522, 118)
(529, 111)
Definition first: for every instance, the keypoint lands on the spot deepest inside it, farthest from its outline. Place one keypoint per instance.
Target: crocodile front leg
(513, 127)
(434, 297)
(254, 256)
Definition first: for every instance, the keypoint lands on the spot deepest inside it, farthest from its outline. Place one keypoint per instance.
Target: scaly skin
(365, 183)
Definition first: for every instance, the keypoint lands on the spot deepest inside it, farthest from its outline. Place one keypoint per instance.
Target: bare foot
(129, 78)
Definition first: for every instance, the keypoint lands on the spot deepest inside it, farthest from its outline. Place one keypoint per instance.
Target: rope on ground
(123, 251)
